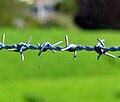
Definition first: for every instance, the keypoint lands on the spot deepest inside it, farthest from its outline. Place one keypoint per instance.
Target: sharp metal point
(53, 51)
(11, 50)
(98, 56)
(75, 55)
(3, 38)
(66, 40)
(60, 42)
(22, 56)
(29, 39)
(110, 55)
(101, 42)
(38, 44)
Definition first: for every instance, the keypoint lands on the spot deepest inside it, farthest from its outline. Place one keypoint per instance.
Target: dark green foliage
(13, 10)
(9, 9)
(67, 6)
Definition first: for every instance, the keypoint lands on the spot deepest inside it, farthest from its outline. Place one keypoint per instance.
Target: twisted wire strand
(21, 47)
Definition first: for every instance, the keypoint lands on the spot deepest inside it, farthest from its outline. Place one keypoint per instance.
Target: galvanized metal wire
(21, 47)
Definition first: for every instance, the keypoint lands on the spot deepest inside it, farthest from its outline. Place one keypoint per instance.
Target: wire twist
(22, 47)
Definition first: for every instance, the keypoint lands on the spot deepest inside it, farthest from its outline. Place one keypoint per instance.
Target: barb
(70, 48)
(100, 49)
(2, 43)
(22, 47)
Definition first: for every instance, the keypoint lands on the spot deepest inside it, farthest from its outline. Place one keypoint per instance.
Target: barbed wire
(22, 47)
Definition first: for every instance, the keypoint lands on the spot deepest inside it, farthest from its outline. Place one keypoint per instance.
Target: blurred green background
(55, 77)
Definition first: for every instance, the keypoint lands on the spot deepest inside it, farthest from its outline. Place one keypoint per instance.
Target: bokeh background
(57, 77)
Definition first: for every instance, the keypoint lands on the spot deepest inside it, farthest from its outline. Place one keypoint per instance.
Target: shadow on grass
(33, 98)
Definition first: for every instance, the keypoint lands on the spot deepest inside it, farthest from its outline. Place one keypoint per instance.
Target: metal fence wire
(21, 47)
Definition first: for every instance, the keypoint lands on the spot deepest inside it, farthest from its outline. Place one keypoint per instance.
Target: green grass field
(57, 77)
